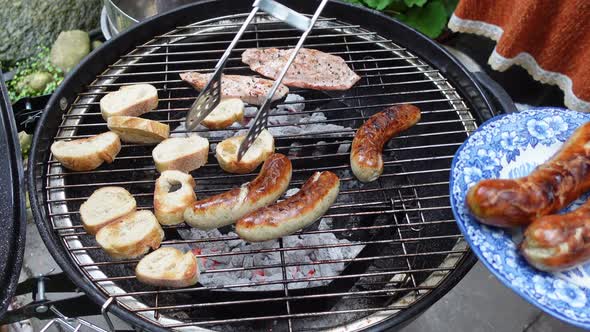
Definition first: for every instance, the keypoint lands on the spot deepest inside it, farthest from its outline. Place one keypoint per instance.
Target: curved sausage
(226, 208)
(557, 242)
(549, 188)
(309, 204)
(366, 158)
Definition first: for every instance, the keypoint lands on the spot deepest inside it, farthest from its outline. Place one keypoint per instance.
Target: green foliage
(418, 3)
(427, 16)
(430, 19)
(18, 87)
(378, 4)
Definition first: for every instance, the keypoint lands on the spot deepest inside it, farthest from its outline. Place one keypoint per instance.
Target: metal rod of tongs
(210, 96)
(293, 18)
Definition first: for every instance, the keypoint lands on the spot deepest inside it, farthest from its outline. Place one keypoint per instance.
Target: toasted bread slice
(228, 111)
(86, 154)
(181, 153)
(227, 153)
(104, 206)
(132, 129)
(131, 100)
(169, 205)
(131, 236)
(168, 267)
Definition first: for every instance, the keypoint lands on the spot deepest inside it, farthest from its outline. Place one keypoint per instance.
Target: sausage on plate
(557, 242)
(550, 187)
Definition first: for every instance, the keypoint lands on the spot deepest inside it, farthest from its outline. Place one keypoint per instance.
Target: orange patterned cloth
(549, 38)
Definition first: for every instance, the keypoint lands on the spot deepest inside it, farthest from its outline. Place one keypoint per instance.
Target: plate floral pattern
(511, 146)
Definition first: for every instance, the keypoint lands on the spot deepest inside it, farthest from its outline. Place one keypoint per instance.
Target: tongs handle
(261, 119)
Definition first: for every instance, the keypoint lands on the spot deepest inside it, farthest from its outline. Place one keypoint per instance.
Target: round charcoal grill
(384, 252)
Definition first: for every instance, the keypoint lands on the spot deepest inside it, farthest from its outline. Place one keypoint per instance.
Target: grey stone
(28, 24)
(35, 82)
(69, 49)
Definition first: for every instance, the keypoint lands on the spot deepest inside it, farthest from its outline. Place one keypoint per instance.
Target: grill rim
(46, 129)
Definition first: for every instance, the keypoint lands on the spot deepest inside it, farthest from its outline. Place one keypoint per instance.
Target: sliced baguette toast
(131, 236)
(228, 111)
(181, 153)
(130, 100)
(86, 154)
(169, 205)
(226, 153)
(132, 129)
(104, 206)
(168, 267)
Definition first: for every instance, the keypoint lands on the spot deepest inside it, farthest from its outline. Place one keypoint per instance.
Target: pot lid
(12, 202)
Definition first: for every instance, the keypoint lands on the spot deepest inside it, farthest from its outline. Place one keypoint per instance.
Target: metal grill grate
(401, 225)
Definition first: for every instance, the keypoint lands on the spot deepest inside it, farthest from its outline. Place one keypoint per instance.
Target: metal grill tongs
(210, 96)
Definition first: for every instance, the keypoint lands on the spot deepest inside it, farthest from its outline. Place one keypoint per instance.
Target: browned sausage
(557, 242)
(366, 158)
(309, 204)
(226, 208)
(549, 188)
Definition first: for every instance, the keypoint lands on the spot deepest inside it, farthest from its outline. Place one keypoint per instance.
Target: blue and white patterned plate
(510, 146)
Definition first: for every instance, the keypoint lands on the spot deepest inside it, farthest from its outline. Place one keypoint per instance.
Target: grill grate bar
(183, 88)
(309, 101)
(333, 215)
(316, 262)
(256, 30)
(150, 181)
(324, 246)
(356, 294)
(145, 64)
(246, 40)
(333, 109)
(226, 176)
(297, 280)
(155, 54)
(430, 123)
(391, 309)
(342, 192)
(155, 82)
(151, 73)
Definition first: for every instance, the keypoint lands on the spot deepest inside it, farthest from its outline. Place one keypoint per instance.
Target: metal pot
(119, 15)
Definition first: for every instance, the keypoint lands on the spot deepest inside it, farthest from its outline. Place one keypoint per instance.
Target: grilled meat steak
(311, 69)
(251, 90)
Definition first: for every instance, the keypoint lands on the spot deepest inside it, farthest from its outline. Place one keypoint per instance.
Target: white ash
(343, 148)
(246, 277)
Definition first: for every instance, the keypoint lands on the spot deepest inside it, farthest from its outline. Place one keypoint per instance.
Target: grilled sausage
(226, 208)
(366, 158)
(309, 204)
(557, 242)
(549, 188)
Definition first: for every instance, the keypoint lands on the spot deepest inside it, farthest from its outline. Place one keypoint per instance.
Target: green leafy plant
(427, 16)
(35, 76)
